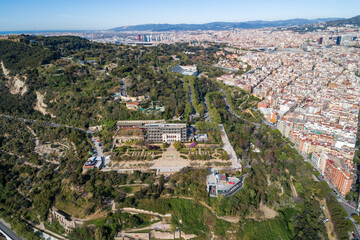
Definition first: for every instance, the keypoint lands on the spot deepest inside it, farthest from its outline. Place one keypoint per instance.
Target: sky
(19, 15)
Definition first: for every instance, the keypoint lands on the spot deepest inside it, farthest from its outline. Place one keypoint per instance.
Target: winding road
(10, 235)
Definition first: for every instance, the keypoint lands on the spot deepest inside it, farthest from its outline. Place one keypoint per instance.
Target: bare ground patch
(263, 213)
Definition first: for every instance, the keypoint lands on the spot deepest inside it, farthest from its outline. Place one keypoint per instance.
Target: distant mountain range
(217, 26)
(340, 22)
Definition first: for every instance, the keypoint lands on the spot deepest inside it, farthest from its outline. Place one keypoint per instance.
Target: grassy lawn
(274, 229)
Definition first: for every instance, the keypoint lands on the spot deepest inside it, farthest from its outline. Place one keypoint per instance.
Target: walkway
(169, 162)
(235, 161)
(136, 211)
(233, 113)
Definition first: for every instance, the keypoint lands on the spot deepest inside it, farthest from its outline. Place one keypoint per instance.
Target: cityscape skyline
(92, 15)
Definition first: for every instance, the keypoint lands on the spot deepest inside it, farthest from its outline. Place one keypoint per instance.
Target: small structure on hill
(221, 184)
(189, 70)
(93, 162)
(201, 137)
(132, 105)
(64, 220)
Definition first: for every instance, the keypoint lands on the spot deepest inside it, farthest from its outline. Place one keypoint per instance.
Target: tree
(162, 181)
(178, 145)
(42, 204)
(224, 156)
(101, 233)
(165, 145)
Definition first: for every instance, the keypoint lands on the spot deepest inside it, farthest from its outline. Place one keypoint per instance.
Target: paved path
(137, 210)
(235, 161)
(169, 162)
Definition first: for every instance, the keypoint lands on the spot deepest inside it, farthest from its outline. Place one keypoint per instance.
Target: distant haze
(24, 15)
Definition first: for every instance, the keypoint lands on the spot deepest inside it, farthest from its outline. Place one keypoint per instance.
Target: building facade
(339, 176)
(166, 132)
(158, 130)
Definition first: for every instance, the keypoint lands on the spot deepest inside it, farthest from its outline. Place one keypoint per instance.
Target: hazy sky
(105, 14)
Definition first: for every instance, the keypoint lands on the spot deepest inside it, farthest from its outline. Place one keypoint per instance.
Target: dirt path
(32, 165)
(136, 210)
(135, 184)
(37, 142)
(249, 112)
(113, 206)
(282, 190)
(292, 186)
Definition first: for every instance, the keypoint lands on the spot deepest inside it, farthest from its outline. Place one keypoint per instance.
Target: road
(10, 234)
(349, 209)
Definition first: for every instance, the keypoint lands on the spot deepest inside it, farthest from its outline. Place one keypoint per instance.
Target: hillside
(341, 22)
(74, 83)
(218, 26)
